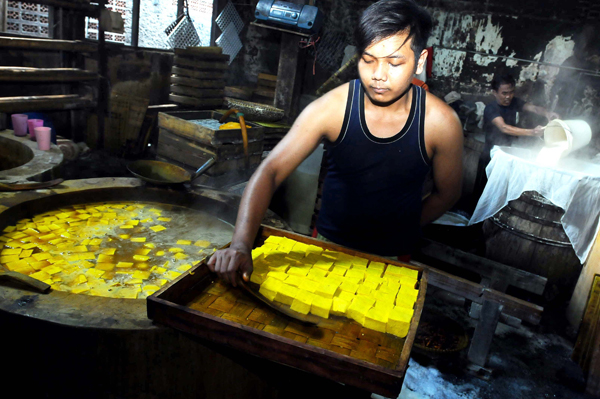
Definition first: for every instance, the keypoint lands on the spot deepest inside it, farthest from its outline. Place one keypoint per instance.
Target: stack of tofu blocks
(322, 282)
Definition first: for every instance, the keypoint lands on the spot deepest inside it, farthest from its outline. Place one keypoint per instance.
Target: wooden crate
(339, 349)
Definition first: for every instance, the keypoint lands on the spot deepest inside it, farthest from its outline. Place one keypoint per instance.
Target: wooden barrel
(527, 234)
(471, 152)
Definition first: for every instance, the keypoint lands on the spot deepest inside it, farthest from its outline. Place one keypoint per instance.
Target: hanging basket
(181, 33)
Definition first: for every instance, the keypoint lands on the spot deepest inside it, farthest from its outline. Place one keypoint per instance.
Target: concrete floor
(529, 362)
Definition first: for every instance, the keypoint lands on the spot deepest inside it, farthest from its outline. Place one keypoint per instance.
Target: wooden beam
(484, 333)
(47, 75)
(47, 45)
(512, 306)
(11, 105)
(485, 267)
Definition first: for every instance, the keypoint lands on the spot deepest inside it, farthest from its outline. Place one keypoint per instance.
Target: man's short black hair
(503, 79)
(390, 17)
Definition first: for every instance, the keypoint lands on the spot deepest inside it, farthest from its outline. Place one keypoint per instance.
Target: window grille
(27, 19)
(120, 6)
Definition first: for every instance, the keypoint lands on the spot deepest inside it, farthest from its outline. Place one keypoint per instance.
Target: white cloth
(572, 185)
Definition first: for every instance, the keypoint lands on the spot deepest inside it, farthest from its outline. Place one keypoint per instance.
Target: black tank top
(372, 190)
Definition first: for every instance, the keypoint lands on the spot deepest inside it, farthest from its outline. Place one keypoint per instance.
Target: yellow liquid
(120, 249)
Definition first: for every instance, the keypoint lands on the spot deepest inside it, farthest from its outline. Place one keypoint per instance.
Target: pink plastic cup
(42, 135)
(33, 123)
(19, 122)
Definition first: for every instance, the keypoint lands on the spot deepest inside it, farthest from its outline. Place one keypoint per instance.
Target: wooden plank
(204, 84)
(44, 103)
(202, 65)
(203, 53)
(515, 307)
(48, 45)
(484, 333)
(485, 267)
(20, 74)
(196, 102)
(195, 92)
(224, 151)
(191, 73)
(241, 92)
(267, 77)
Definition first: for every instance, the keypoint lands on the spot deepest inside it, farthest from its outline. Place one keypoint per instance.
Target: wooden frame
(167, 306)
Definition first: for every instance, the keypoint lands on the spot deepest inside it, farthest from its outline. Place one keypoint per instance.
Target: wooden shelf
(46, 75)
(293, 32)
(48, 45)
(64, 102)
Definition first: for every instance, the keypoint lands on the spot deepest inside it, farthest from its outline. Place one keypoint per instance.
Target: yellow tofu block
(321, 306)
(345, 295)
(275, 255)
(10, 258)
(412, 273)
(373, 272)
(370, 284)
(160, 270)
(126, 226)
(41, 256)
(138, 239)
(326, 290)
(142, 251)
(399, 321)
(105, 258)
(147, 220)
(384, 297)
(334, 279)
(376, 266)
(274, 239)
(314, 249)
(143, 265)
(393, 270)
(407, 281)
(87, 256)
(256, 253)
(258, 278)
(150, 245)
(39, 265)
(269, 288)
(364, 291)
(281, 276)
(376, 319)
(286, 294)
(96, 241)
(324, 265)
(150, 288)
(279, 268)
(133, 222)
(339, 306)
(160, 253)
(157, 228)
(25, 269)
(409, 292)
(311, 258)
(95, 272)
(163, 219)
(52, 269)
(180, 256)
(9, 229)
(172, 274)
(141, 258)
(339, 270)
(184, 268)
(79, 249)
(11, 251)
(356, 273)
(300, 247)
(40, 275)
(124, 264)
(108, 251)
(81, 288)
(294, 254)
(176, 250)
(347, 286)
(29, 246)
(359, 307)
(79, 280)
(105, 266)
(309, 285)
(302, 302)
(143, 275)
(300, 271)
(29, 232)
(184, 242)
(391, 287)
(128, 292)
(316, 274)
(405, 301)
(202, 243)
(294, 281)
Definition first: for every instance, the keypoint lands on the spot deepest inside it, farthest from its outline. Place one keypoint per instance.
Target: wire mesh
(227, 16)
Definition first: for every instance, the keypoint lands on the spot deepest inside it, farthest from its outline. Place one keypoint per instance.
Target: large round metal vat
(63, 345)
(528, 234)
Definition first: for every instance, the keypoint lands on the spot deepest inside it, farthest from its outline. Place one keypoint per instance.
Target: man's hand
(226, 263)
(538, 131)
(552, 115)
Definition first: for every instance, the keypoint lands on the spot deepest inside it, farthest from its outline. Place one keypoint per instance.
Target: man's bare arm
(540, 111)
(316, 122)
(446, 135)
(516, 131)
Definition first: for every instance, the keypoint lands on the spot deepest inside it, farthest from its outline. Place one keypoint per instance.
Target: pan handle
(203, 169)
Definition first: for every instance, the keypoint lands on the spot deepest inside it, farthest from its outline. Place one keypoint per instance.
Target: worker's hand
(538, 131)
(227, 262)
(552, 115)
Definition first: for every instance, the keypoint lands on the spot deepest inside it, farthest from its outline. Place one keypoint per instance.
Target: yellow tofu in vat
(339, 306)
(316, 274)
(376, 319)
(326, 290)
(270, 287)
(359, 307)
(286, 294)
(399, 321)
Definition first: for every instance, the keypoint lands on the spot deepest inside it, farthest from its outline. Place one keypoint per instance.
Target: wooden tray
(343, 351)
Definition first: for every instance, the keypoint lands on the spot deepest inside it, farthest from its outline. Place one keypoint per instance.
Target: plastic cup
(19, 122)
(42, 135)
(33, 123)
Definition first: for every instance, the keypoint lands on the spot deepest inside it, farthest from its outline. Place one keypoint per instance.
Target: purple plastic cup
(19, 122)
(33, 123)
(42, 134)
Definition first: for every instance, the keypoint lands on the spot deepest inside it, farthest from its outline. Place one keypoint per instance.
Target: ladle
(24, 279)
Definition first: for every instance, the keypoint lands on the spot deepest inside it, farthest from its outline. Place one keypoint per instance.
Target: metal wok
(158, 172)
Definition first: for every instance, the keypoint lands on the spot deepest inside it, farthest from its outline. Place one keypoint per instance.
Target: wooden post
(484, 333)
(135, 23)
(103, 94)
(2, 15)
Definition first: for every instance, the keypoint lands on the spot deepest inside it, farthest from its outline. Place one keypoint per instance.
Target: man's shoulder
(437, 109)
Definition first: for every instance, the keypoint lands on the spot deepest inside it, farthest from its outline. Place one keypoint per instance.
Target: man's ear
(421, 62)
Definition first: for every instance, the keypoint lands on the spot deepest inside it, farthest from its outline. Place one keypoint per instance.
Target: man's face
(505, 94)
(387, 67)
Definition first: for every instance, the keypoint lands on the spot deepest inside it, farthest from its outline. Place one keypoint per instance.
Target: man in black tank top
(398, 133)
